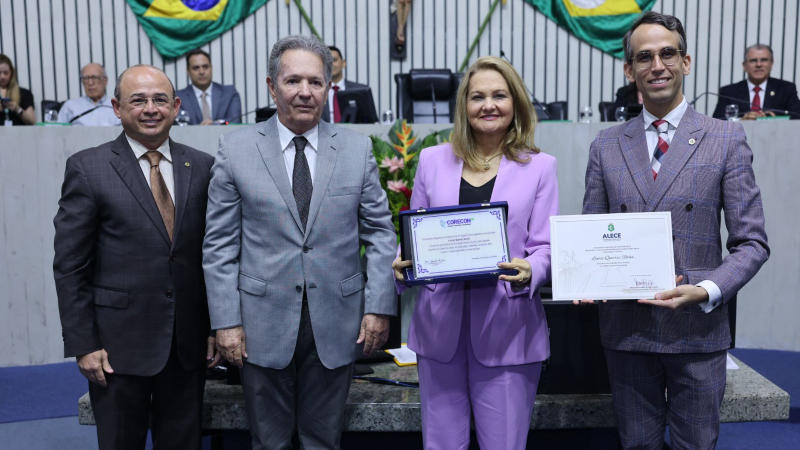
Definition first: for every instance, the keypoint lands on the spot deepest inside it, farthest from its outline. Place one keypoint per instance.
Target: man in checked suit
(128, 271)
(671, 158)
(291, 201)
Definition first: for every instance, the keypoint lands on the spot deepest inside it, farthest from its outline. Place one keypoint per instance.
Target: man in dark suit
(759, 95)
(204, 101)
(677, 342)
(128, 271)
(332, 112)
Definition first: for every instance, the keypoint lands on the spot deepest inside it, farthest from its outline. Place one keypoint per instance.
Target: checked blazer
(707, 170)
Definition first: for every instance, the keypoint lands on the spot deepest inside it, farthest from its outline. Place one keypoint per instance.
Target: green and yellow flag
(177, 26)
(600, 23)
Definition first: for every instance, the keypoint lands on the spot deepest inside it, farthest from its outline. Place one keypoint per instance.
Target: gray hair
(671, 23)
(758, 47)
(119, 79)
(305, 42)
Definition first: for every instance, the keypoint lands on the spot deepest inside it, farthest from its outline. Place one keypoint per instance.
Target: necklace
(486, 160)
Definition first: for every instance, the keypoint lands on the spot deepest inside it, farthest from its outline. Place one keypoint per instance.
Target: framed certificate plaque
(455, 243)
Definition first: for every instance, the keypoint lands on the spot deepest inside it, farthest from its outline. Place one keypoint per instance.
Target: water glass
(621, 113)
(732, 112)
(586, 114)
(51, 116)
(183, 119)
(388, 117)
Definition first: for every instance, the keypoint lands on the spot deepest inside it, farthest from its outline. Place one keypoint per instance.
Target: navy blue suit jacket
(780, 96)
(326, 112)
(225, 104)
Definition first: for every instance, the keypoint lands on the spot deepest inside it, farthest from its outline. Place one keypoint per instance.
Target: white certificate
(459, 242)
(611, 256)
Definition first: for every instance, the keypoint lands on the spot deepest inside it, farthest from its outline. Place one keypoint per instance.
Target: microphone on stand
(87, 112)
(537, 102)
(433, 102)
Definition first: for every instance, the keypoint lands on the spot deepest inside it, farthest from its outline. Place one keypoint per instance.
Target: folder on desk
(403, 356)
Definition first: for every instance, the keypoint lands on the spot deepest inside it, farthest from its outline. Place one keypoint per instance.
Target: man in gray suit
(204, 101)
(291, 201)
(671, 158)
(338, 83)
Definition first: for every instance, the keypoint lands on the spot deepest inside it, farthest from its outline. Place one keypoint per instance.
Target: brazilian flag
(600, 23)
(177, 26)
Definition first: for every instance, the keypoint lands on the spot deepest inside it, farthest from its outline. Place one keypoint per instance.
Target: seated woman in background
(480, 344)
(17, 103)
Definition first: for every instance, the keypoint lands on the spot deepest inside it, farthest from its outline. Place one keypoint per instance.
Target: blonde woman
(17, 103)
(480, 344)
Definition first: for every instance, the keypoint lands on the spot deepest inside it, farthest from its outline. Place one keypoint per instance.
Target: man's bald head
(138, 67)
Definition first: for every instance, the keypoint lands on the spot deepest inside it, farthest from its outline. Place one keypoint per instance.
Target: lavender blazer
(507, 325)
(708, 168)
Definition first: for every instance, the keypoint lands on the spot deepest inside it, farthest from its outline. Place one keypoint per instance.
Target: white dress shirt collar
(286, 135)
(199, 93)
(139, 150)
(673, 118)
(750, 86)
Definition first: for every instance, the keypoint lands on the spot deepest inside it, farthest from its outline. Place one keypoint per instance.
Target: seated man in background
(332, 112)
(94, 108)
(204, 101)
(759, 95)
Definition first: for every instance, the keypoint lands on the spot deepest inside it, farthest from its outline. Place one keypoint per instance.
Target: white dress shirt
(673, 119)
(752, 93)
(199, 94)
(287, 147)
(164, 166)
(330, 97)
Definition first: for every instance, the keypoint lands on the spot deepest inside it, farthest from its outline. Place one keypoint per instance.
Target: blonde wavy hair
(12, 90)
(518, 143)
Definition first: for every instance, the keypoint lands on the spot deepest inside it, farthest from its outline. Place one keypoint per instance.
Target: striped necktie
(661, 148)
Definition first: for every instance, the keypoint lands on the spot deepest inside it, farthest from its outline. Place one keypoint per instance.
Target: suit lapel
(216, 99)
(450, 192)
(195, 112)
(326, 162)
(182, 174)
(633, 144)
(766, 99)
(269, 146)
(128, 169)
(744, 94)
(680, 150)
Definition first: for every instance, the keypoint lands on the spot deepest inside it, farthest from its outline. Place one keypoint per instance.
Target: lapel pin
(187, 164)
(772, 93)
(692, 141)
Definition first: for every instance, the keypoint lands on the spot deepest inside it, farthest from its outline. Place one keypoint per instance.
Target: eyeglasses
(758, 60)
(669, 56)
(159, 101)
(92, 78)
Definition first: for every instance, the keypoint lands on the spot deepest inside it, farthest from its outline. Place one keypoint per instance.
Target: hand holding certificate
(612, 256)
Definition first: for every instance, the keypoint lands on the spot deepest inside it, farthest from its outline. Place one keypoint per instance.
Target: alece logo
(611, 235)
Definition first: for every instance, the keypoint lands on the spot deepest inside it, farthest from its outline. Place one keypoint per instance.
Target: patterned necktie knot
(154, 157)
(757, 89)
(300, 143)
(661, 125)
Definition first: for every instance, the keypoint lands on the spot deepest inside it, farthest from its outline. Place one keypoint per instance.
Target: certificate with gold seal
(611, 256)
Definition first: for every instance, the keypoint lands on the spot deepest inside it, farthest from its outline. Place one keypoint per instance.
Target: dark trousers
(169, 403)
(305, 396)
(694, 384)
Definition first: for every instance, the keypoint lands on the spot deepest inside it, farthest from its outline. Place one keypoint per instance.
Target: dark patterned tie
(661, 147)
(301, 179)
(160, 192)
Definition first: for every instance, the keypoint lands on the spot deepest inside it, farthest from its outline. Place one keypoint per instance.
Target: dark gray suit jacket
(121, 284)
(225, 104)
(326, 112)
(707, 169)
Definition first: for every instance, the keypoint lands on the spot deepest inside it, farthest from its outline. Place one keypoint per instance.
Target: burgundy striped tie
(661, 148)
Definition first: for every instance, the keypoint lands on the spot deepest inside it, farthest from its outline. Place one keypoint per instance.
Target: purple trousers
(501, 398)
